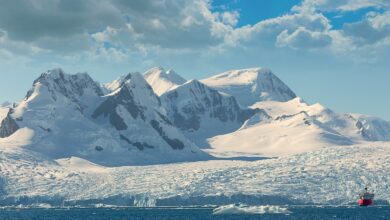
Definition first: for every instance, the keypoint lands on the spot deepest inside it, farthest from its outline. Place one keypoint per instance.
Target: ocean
(280, 212)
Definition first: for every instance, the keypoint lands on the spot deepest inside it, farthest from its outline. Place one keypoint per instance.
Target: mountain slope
(372, 128)
(297, 127)
(354, 126)
(137, 115)
(249, 86)
(290, 134)
(69, 115)
(161, 80)
(201, 112)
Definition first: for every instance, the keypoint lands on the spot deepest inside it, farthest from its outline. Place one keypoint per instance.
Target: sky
(335, 52)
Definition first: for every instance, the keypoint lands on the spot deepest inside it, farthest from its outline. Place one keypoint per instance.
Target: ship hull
(365, 202)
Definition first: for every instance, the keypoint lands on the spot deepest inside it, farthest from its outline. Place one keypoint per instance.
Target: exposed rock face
(176, 144)
(203, 112)
(8, 125)
(125, 98)
(189, 103)
(139, 145)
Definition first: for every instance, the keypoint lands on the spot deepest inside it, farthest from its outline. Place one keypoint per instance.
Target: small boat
(366, 198)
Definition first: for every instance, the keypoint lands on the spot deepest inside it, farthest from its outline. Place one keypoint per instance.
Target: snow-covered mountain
(69, 115)
(297, 127)
(287, 133)
(72, 115)
(201, 112)
(354, 126)
(161, 80)
(249, 86)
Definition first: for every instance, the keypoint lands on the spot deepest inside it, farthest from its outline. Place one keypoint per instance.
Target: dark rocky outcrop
(8, 125)
(174, 143)
(125, 98)
(108, 108)
(139, 145)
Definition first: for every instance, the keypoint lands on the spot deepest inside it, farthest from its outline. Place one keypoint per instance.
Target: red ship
(366, 198)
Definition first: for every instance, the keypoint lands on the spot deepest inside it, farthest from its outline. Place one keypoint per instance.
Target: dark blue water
(297, 212)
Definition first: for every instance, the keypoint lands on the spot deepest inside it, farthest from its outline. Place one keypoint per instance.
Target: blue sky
(332, 52)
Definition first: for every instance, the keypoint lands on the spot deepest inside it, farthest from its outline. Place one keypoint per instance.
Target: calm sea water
(297, 212)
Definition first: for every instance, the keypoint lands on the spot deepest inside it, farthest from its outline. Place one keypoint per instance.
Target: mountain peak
(240, 76)
(71, 86)
(161, 80)
(59, 74)
(251, 85)
(193, 82)
(133, 77)
(54, 73)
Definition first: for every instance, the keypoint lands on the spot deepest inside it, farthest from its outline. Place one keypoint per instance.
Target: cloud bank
(131, 31)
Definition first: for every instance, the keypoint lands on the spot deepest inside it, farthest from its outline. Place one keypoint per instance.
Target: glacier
(331, 175)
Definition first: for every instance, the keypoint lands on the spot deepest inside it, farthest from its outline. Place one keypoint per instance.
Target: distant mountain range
(161, 118)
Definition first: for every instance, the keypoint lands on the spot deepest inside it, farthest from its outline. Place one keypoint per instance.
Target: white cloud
(157, 24)
(303, 38)
(380, 21)
(105, 35)
(3, 36)
(314, 22)
(9, 47)
(272, 31)
(109, 54)
(166, 24)
(5, 54)
(120, 30)
(29, 20)
(229, 18)
(353, 5)
(375, 28)
(339, 5)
